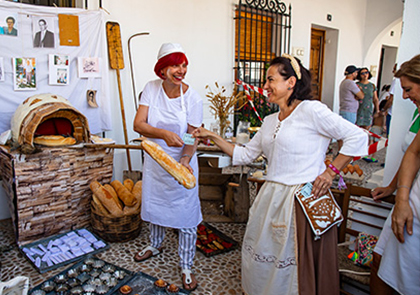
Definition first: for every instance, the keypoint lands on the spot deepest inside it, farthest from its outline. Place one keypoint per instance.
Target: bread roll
(174, 168)
(98, 207)
(128, 183)
(345, 170)
(137, 194)
(359, 171)
(113, 193)
(54, 140)
(123, 194)
(351, 168)
(106, 199)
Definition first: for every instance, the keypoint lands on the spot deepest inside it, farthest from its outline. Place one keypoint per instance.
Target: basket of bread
(115, 210)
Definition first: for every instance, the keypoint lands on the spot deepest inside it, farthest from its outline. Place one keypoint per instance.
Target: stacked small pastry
(116, 199)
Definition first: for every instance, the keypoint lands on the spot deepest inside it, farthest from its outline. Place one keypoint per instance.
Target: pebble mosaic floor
(220, 274)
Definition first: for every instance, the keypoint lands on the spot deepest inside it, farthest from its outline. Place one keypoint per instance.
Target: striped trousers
(186, 243)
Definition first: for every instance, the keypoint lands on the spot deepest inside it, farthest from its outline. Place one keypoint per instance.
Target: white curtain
(92, 44)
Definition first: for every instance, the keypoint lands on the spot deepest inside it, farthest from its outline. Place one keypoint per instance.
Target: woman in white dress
(396, 258)
(279, 253)
(169, 109)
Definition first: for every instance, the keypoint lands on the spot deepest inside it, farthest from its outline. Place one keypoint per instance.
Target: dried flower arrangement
(222, 105)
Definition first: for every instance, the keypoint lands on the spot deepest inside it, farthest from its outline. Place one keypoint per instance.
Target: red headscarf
(175, 58)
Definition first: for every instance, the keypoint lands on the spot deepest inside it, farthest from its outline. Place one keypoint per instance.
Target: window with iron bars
(262, 32)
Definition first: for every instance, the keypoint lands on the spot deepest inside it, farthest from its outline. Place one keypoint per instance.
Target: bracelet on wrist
(404, 186)
(341, 183)
(186, 155)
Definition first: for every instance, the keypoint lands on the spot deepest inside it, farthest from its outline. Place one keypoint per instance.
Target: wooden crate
(49, 191)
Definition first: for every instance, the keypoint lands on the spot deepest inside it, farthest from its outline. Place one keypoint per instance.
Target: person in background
(369, 105)
(169, 109)
(388, 106)
(44, 38)
(396, 263)
(279, 250)
(350, 95)
(10, 29)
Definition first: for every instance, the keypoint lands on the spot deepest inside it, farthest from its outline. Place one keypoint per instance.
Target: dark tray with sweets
(58, 250)
(144, 284)
(91, 275)
(211, 241)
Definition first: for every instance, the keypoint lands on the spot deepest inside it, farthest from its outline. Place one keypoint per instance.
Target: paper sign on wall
(69, 30)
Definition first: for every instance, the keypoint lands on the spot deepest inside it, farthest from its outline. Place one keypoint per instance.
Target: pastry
(172, 288)
(126, 289)
(54, 140)
(174, 168)
(161, 283)
(123, 193)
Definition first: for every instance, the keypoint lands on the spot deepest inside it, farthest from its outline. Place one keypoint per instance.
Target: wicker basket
(116, 229)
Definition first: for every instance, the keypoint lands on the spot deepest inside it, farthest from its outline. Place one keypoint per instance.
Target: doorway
(316, 63)
(386, 64)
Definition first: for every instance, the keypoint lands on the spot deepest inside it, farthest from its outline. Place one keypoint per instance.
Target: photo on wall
(1, 69)
(8, 24)
(43, 32)
(89, 67)
(24, 73)
(59, 70)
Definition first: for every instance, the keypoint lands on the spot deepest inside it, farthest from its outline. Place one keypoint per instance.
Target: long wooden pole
(123, 119)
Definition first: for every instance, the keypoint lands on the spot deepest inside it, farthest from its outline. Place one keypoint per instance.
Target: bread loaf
(174, 168)
(137, 194)
(128, 183)
(106, 199)
(54, 140)
(123, 194)
(113, 193)
(98, 207)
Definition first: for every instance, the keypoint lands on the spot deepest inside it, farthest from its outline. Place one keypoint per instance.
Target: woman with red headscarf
(169, 109)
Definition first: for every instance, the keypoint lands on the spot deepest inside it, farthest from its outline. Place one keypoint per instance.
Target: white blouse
(296, 147)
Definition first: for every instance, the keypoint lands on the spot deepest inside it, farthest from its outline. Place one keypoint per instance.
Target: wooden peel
(116, 62)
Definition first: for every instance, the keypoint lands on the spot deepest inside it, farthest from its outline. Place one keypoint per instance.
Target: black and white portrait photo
(43, 28)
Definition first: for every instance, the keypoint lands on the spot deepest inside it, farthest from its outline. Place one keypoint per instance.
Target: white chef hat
(168, 48)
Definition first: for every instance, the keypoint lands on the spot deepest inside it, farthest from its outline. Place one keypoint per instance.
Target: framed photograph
(1, 69)
(24, 73)
(91, 98)
(89, 67)
(43, 30)
(58, 69)
(8, 24)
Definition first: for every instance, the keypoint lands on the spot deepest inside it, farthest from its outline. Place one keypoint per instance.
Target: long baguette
(137, 194)
(113, 193)
(54, 140)
(106, 199)
(123, 193)
(128, 183)
(174, 168)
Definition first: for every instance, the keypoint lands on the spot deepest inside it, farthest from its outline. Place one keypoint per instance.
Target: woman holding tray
(279, 252)
(169, 111)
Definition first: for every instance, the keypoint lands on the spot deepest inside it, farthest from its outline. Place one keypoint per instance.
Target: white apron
(269, 250)
(166, 202)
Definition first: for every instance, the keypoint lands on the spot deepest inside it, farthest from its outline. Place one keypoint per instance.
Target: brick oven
(48, 189)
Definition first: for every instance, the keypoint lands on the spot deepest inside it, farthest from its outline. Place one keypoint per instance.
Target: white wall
(402, 109)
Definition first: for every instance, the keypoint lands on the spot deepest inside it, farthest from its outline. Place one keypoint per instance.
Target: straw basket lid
(41, 107)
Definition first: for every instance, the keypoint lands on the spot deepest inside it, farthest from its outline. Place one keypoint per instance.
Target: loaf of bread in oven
(54, 140)
(123, 193)
(174, 168)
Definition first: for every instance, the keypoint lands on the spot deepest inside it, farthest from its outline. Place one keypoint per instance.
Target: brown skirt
(317, 260)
